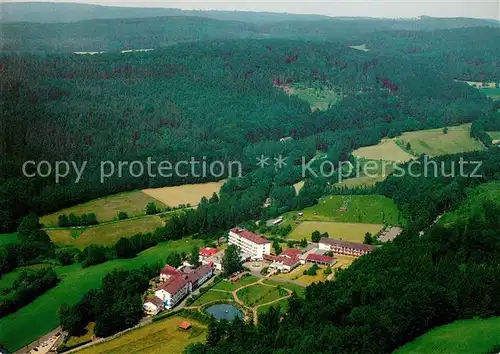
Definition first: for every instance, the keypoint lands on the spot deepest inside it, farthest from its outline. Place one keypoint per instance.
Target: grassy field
(297, 275)
(107, 208)
(341, 231)
(318, 98)
(493, 93)
(434, 142)
(260, 294)
(210, 296)
(78, 340)
(6, 239)
(186, 194)
(8, 279)
(369, 209)
(386, 150)
(228, 286)
(157, 338)
(282, 304)
(40, 316)
(298, 186)
(368, 173)
(495, 136)
(300, 290)
(466, 336)
(473, 204)
(106, 234)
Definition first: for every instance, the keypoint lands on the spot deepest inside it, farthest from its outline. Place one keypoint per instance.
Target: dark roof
(319, 258)
(199, 273)
(341, 243)
(250, 236)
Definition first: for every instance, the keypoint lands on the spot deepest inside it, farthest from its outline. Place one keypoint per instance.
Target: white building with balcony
(249, 243)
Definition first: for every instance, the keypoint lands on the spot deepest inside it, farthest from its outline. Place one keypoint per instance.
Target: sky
(372, 8)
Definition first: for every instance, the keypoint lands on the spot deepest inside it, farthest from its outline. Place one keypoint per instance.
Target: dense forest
(213, 100)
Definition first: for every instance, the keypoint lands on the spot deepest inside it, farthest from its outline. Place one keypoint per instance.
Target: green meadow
(41, 316)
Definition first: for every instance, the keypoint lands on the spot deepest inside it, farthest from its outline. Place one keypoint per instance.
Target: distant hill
(47, 12)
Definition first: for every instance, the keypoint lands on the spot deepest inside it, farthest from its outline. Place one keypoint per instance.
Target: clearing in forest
(435, 142)
(105, 234)
(41, 315)
(298, 186)
(368, 209)
(369, 173)
(495, 136)
(185, 194)
(106, 209)
(387, 150)
(460, 337)
(160, 337)
(361, 47)
(336, 230)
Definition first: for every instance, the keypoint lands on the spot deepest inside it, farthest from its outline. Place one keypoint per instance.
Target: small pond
(224, 311)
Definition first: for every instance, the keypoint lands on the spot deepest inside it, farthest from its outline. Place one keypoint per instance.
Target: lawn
(465, 336)
(185, 194)
(157, 338)
(259, 294)
(6, 239)
(228, 286)
(434, 142)
(84, 338)
(282, 304)
(106, 234)
(300, 290)
(210, 296)
(297, 275)
(387, 150)
(107, 208)
(8, 279)
(369, 209)
(340, 231)
(40, 316)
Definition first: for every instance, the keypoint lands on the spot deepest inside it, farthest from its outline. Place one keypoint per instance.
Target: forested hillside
(217, 99)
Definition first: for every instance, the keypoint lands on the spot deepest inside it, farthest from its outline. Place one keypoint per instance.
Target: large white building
(252, 244)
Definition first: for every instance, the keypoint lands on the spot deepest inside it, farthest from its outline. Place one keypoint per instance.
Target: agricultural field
(434, 142)
(185, 194)
(341, 231)
(464, 336)
(320, 98)
(297, 275)
(106, 209)
(228, 286)
(259, 294)
(40, 316)
(157, 338)
(386, 150)
(6, 239)
(369, 209)
(368, 172)
(212, 295)
(105, 234)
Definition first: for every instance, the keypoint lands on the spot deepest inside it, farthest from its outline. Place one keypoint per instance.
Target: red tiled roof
(208, 252)
(169, 270)
(285, 260)
(185, 325)
(250, 236)
(174, 284)
(155, 300)
(291, 252)
(319, 258)
(341, 243)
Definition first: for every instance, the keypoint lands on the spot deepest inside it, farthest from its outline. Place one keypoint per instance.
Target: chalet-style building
(344, 247)
(320, 259)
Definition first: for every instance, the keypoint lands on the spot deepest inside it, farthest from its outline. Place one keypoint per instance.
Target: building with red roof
(283, 263)
(291, 252)
(207, 252)
(320, 259)
(249, 243)
(344, 247)
(167, 272)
